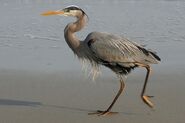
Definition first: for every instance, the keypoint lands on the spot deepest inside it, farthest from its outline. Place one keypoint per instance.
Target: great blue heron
(115, 52)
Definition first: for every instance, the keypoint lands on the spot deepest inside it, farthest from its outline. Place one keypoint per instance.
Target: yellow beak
(48, 13)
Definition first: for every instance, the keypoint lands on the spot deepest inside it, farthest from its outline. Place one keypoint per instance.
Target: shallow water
(29, 41)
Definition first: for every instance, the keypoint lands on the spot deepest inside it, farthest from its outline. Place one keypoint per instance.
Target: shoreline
(60, 97)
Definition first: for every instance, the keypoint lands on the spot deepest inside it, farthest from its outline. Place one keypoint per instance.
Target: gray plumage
(115, 52)
(115, 49)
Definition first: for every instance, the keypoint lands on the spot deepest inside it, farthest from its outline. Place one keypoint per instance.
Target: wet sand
(66, 97)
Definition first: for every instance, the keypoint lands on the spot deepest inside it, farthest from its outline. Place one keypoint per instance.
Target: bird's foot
(102, 113)
(146, 100)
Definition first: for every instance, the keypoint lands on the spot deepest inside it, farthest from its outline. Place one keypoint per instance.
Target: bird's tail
(151, 57)
(155, 55)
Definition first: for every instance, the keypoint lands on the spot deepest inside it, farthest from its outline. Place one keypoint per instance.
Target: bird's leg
(107, 112)
(145, 98)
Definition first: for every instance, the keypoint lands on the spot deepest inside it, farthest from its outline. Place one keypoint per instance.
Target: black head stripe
(74, 8)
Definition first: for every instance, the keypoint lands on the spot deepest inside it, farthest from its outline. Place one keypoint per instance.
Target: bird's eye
(66, 10)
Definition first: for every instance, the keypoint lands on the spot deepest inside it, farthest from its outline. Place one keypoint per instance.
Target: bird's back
(116, 49)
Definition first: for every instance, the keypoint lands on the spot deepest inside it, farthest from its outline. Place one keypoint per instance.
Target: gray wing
(116, 49)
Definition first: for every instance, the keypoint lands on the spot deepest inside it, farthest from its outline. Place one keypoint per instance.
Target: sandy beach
(41, 80)
(58, 97)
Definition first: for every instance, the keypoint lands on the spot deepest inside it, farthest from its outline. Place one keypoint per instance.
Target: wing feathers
(114, 48)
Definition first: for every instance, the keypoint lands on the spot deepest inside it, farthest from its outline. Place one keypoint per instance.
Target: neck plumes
(69, 32)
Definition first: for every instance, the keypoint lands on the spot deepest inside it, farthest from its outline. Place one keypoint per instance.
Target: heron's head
(72, 10)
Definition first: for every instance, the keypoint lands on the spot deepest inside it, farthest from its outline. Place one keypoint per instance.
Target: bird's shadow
(11, 102)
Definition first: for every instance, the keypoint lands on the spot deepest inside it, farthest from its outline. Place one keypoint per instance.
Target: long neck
(69, 32)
